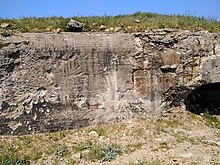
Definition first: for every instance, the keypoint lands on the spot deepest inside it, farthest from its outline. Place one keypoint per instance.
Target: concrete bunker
(52, 81)
(204, 99)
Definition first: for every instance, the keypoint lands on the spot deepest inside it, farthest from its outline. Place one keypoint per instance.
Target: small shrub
(164, 145)
(3, 44)
(87, 145)
(94, 153)
(60, 150)
(109, 153)
(82, 146)
(9, 156)
(5, 34)
(98, 152)
(15, 161)
(35, 154)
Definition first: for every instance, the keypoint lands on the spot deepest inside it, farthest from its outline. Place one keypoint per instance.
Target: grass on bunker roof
(137, 22)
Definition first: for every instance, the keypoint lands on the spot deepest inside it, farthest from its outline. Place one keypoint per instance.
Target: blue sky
(68, 8)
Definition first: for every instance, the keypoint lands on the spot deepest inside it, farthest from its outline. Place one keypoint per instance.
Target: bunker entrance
(204, 99)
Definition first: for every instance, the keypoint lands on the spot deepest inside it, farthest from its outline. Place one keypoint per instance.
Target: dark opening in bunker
(204, 99)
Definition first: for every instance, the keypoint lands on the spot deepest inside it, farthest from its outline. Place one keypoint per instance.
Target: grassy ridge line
(136, 22)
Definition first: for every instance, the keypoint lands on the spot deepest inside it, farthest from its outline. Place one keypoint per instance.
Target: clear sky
(68, 8)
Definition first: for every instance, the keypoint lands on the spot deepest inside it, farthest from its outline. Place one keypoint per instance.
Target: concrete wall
(63, 81)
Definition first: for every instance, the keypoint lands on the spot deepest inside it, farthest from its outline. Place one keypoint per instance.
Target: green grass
(10, 156)
(82, 145)
(132, 147)
(136, 22)
(211, 120)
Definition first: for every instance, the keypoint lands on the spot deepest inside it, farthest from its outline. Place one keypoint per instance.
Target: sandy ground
(179, 138)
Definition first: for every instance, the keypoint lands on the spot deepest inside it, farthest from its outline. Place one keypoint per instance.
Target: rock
(75, 26)
(107, 30)
(187, 155)
(76, 156)
(129, 28)
(137, 21)
(14, 125)
(84, 154)
(218, 143)
(48, 29)
(93, 134)
(111, 29)
(58, 30)
(5, 25)
(102, 27)
(117, 29)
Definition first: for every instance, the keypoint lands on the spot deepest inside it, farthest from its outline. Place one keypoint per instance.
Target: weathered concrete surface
(59, 81)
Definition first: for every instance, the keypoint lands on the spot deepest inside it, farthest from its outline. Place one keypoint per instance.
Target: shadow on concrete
(204, 99)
